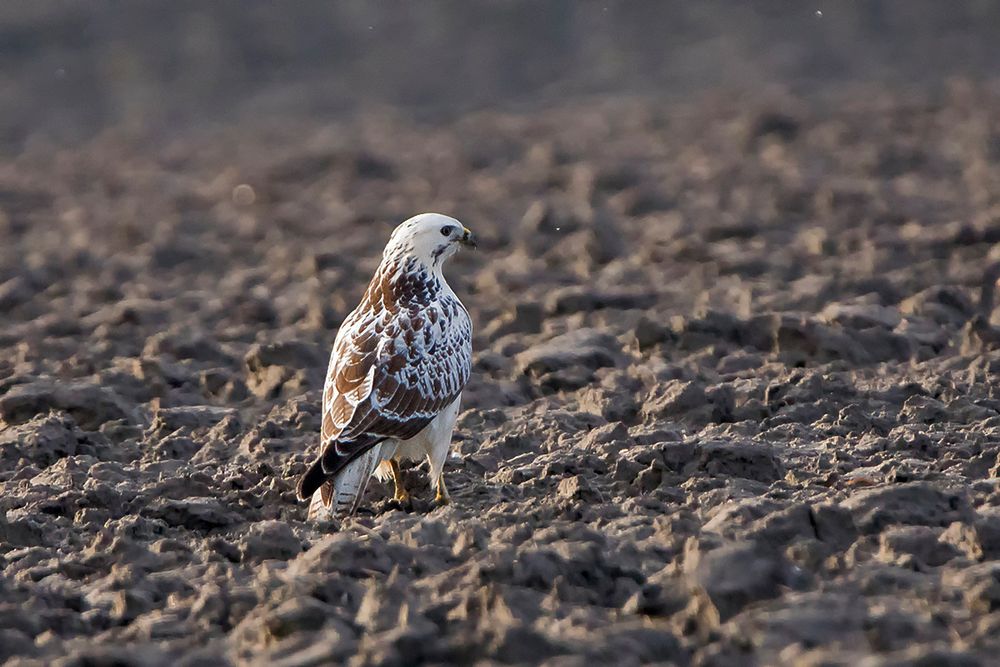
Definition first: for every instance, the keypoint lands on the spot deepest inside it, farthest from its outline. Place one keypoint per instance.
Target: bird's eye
(446, 231)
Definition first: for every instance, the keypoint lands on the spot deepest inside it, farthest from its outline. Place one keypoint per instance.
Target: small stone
(577, 488)
(269, 540)
(43, 440)
(943, 304)
(214, 380)
(189, 418)
(861, 315)
(526, 317)
(912, 503)
(185, 346)
(978, 539)
(654, 435)
(614, 432)
(900, 544)
(21, 532)
(675, 398)
(924, 410)
(130, 604)
(300, 614)
(657, 599)
(677, 455)
(586, 299)
(739, 459)
(735, 575)
(625, 470)
(294, 354)
(651, 478)
(615, 405)
(650, 332)
(739, 362)
(583, 348)
(192, 513)
(833, 525)
(274, 366)
(90, 405)
(709, 328)
(178, 448)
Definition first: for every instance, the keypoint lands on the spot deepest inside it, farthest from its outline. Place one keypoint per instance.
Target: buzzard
(398, 366)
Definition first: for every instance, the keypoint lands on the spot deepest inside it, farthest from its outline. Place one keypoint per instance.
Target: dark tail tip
(311, 480)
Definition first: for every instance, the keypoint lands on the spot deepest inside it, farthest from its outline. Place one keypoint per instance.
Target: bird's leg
(402, 495)
(441, 496)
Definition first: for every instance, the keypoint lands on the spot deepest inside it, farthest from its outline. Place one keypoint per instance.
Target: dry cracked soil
(734, 397)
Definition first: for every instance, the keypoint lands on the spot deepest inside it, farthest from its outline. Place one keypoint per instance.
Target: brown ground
(734, 397)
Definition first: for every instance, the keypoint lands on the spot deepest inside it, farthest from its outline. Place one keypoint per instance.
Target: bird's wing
(348, 383)
(391, 376)
(351, 371)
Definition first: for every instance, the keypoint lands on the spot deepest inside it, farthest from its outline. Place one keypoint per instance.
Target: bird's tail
(342, 492)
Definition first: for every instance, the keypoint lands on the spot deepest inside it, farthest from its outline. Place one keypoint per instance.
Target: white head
(430, 237)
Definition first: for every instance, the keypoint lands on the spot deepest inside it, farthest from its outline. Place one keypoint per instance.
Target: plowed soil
(734, 398)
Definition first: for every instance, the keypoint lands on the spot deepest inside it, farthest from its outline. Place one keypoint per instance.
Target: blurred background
(70, 68)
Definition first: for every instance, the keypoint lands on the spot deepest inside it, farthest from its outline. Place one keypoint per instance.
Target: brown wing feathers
(395, 406)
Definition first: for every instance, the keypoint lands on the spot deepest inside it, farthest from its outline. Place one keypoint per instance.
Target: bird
(398, 366)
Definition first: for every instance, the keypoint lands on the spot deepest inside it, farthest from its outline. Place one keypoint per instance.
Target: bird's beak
(468, 238)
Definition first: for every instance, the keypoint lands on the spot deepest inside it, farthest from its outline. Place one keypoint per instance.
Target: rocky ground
(734, 398)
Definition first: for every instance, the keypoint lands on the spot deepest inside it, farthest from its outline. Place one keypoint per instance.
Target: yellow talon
(401, 494)
(441, 497)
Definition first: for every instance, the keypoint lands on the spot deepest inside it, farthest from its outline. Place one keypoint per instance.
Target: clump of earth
(734, 397)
